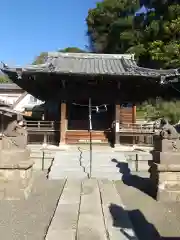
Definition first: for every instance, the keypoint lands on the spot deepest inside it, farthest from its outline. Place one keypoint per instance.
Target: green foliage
(4, 79)
(72, 50)
(42, 57)
(112, 28)
(154, 109)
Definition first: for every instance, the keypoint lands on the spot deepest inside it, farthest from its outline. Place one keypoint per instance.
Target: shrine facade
(112, 83)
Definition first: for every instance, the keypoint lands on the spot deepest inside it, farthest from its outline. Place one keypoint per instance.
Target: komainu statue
(15, 134)
(168, 131)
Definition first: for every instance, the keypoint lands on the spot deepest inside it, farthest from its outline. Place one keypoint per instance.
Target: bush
(158, 108)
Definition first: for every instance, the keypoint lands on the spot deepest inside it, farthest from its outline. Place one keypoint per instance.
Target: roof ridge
(90, 55)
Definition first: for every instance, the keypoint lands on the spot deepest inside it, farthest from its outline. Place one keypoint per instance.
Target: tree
(110, 26)
(72, 50)
(161, 35)
(43, 56)
(154, 109)
(154, 35)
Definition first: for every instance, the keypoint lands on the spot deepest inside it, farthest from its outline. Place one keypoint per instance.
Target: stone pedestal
(165, 169)
(15, 174)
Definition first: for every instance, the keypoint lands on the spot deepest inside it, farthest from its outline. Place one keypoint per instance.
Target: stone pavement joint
(91, 224)
(117, 222)
(64, 223)
(87, 210)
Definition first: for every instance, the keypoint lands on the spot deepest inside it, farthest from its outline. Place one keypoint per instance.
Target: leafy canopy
(159, 108)
(42, 57)
(153, 37)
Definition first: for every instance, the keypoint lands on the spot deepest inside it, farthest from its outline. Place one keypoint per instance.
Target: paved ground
(151, 220)
(104, 164)
(87, 210)
(20, 220)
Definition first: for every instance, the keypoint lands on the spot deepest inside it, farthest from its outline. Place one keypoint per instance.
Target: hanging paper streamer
(117, 126)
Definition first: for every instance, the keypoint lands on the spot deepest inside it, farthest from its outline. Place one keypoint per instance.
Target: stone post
(165, 169)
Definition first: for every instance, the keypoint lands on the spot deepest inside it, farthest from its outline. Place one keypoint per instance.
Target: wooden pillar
(63, 123)
(117, 123)
(134, 120)
(134, 114)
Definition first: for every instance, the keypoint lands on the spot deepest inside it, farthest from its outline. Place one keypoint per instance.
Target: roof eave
(37, 71)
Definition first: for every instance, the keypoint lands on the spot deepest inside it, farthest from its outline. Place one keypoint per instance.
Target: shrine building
(112, 83)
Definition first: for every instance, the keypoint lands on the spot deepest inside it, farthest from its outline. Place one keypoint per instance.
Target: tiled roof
(152, 72)
(93, 64)
(81, 63)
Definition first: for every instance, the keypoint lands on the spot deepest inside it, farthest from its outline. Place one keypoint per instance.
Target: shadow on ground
(143, 184)
(143, 229)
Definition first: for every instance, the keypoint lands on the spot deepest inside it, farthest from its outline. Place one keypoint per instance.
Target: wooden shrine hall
(112, 82)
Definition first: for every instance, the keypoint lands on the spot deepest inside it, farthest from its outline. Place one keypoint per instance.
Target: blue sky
(29, 27)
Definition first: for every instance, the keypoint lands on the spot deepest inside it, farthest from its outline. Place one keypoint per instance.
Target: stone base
(166, 181)
(16, 178)
(166, 157)
(165, 145)
(17, 190)
(168, 196)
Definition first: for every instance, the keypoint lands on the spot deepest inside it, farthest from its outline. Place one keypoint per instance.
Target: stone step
(103, 169)
(55, 173)
(106, 175)
(64, 222)
(116, 218)
(91, 222)
(117, 176)
(69, 175)
(67, 169)
(66, 164)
